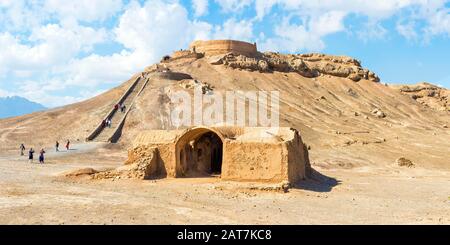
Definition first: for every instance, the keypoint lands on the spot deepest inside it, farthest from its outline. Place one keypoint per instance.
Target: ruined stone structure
(234, 153)
(218, 47)
(245, 56)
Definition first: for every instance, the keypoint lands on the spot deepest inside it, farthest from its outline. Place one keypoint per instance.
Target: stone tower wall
(218, 47)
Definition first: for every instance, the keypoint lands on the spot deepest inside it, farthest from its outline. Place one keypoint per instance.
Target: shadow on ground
(317, 182)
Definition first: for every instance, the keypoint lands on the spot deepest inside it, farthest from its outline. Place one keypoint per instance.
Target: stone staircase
(113, 133)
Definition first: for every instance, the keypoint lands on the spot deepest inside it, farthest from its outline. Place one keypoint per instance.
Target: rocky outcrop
(378, 113)
(81, 172)
(340, 66)
(427, 94)
(404, 162)
(308, 65)
(192, 84)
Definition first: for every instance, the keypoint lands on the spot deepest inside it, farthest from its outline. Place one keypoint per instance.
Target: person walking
(57, 146)
(41, 156)
(68, 145)
(22, 149)
(30, 155)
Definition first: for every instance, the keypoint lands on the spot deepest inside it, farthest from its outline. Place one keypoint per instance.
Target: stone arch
(199, 152)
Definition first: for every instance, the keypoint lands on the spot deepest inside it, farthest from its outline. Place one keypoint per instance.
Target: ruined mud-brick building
(234, 153)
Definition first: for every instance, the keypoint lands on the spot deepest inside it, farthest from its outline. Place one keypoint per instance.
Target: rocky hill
(344, 114)
(427, 94)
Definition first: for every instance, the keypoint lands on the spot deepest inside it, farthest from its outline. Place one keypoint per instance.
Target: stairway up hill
(112, 134)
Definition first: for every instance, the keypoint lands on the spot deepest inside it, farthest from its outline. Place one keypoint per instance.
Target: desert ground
(38, 194)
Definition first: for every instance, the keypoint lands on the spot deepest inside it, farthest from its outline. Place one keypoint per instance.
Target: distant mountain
(16, 106)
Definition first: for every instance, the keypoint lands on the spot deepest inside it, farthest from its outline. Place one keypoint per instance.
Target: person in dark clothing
(68, 145)
(30, 155)
(57, 146)
(22, 149)
(41, 156)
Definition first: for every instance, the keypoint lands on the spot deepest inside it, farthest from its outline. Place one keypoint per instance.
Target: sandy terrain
(37, 194)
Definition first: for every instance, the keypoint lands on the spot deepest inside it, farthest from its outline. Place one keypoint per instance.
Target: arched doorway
(199, 152)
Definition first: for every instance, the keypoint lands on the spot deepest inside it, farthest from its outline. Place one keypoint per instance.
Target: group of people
(41, 152)
(122, 107)
(107, 123)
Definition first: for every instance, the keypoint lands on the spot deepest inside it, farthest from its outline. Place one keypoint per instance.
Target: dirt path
(35, 194)
(79, 148)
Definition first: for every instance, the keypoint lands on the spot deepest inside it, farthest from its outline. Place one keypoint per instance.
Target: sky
(58, 52)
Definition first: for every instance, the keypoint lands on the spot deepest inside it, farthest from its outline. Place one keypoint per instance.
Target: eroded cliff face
(307, 65)
(427, 94)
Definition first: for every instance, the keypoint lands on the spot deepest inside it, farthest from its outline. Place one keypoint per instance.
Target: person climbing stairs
(113, 122)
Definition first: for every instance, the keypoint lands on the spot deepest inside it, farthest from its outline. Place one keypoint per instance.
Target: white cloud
(200, 7)
(4, 93)
(148, 32)
(439, 23)
(327, 23)
(373, 9)
(292, 38)
(85, 10)
(372, 30)
(234, 6)
(262, 7)
(333, 12)
(158, 28)
(94, 70)
(407, 30)
(202, 30)
(232, 29)
(19, 14)
(305, 36)
(50, 45)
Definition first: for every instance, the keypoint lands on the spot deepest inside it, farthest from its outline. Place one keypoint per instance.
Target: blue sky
(58, 52)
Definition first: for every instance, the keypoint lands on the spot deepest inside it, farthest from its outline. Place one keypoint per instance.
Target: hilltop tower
(218, 47)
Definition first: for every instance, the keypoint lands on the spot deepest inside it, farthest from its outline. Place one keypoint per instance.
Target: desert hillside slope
(347, 117)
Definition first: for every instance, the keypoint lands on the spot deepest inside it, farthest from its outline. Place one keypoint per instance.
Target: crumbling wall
(254, 161)
(184, 54)
(143, 163)
(298, 159)
(164, 140)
